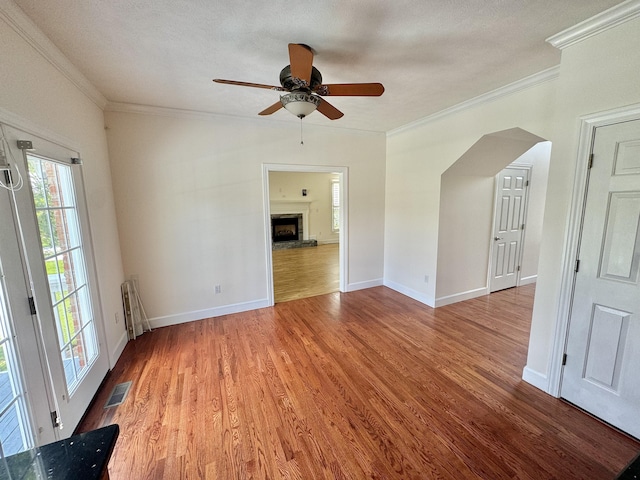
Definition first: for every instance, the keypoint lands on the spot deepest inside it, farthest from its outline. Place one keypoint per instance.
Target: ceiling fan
(303, 81)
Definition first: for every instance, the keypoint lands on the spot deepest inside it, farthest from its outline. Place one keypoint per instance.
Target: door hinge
(518, 268)
(55, 419)
(564, 359)
(522, 227)
(526, 184)
(577, 266)
(590, 164)
(25, 144)
(32, 306)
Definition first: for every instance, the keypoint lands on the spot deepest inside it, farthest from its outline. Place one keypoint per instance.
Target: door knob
(497, 238)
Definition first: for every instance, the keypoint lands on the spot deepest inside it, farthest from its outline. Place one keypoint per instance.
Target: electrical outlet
(426, 279)
(117, 318)
(218, 289)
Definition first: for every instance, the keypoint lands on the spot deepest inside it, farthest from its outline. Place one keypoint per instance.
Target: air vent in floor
(118, 395)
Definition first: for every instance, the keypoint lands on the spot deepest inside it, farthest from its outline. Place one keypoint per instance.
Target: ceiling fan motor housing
(291, 83)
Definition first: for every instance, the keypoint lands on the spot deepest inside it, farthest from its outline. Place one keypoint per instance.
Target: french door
(16, 432)
(58, 335)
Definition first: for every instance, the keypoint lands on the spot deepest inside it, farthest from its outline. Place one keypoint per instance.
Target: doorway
(306, 208)
(466, 213)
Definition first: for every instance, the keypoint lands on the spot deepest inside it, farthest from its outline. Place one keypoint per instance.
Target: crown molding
(123, 107)
(24, 26)
(517, 86)
(597, 24)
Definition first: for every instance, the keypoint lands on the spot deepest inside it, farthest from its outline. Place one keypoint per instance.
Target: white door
(603, 345)
(508, 227)
(58, 264)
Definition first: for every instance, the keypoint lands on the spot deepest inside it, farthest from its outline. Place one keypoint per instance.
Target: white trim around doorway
(343, 173)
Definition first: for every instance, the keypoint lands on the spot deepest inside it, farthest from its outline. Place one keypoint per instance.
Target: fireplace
(286, 227)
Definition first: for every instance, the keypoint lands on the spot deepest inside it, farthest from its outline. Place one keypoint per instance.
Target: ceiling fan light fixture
(299, 103)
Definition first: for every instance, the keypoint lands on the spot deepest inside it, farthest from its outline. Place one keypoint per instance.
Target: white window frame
(335, 206)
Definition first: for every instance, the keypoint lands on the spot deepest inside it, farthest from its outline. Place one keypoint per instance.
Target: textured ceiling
(429, 54)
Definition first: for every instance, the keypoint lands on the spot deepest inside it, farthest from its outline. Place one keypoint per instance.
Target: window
(335, 206)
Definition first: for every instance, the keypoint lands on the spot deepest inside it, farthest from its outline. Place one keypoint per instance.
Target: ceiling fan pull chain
(301, 142)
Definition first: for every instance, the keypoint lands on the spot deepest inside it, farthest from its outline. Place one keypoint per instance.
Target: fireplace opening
(285, 228)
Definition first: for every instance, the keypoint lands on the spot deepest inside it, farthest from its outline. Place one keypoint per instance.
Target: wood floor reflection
(305, 272)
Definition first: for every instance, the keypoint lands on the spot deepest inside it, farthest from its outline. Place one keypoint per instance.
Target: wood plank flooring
(305, 272)
(369, 384)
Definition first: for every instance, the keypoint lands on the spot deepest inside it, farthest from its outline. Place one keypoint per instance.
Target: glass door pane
(63, 251)
(14, 431)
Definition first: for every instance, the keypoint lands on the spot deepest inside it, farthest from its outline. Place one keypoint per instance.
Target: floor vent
(118, 395)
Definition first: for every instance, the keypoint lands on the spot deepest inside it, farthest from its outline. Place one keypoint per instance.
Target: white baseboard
(460, 297)
(536, 379)
(409, 292)
(528, 280)
(352, 287)
(185, 317)
(328, 242)
(118, 349)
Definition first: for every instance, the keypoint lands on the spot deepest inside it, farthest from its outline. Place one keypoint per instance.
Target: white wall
(286, 187)
(466, 211)
(416, 159)
(33, 92)
(190, 205)
(597, 74)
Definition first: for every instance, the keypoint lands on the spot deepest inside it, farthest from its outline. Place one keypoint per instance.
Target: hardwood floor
(369, 384)
(305, 272)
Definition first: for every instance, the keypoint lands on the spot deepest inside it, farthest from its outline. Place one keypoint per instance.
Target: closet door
(603, 345)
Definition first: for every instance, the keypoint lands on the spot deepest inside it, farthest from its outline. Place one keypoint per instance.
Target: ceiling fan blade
(247, 84)
(328, 110)
(273, 108)
(301, 61)
(351, 89)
